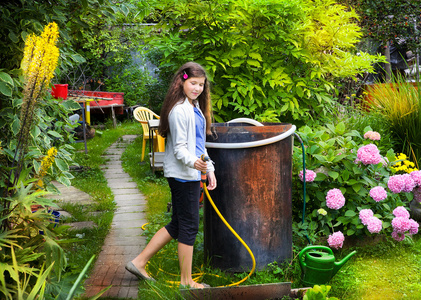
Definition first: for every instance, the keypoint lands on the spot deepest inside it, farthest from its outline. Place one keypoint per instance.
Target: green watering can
(318, 265)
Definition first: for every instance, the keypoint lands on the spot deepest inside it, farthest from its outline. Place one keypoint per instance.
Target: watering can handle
(308, 248)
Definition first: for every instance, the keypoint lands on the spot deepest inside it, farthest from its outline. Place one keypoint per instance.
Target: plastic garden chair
(143, 114)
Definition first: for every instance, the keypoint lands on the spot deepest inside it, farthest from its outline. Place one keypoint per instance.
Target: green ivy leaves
(6, 84)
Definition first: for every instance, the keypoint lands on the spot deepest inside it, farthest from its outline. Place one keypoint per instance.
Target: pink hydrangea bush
(310, 175)
(369, 186)
(335, 199)
(402, 224)
(336, 240)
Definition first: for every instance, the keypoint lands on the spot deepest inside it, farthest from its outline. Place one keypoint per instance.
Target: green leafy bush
(133, 81)
(267, 59)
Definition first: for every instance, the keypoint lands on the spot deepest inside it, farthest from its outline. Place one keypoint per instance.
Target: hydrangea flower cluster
(401, 211)
(395, 184)
(378, 193)
(372, 135)
(336, 240)
(401, 183)
(335, 199)
(369, 154)
(322, 212)
(403, 224)
(374, 224)
(365, 215)
(310, 175)
(416, 176)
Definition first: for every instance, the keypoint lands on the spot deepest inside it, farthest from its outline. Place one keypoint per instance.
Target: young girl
(185, 120)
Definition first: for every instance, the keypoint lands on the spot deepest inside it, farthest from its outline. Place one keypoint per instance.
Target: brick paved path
(124, 240)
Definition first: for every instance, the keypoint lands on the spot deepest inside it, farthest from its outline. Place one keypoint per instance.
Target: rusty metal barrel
(253, 167)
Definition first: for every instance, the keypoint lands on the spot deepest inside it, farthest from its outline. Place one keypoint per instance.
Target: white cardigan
(180, 151)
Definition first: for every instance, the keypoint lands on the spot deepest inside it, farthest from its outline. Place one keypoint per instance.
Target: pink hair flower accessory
(185, 76)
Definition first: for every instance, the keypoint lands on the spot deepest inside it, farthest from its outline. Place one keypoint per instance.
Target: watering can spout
(339, 264)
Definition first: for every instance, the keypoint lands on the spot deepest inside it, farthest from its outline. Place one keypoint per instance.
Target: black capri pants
(184, 223)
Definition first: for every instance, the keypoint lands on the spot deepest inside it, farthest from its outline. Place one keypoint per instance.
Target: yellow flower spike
(47, 161)
(38, 64)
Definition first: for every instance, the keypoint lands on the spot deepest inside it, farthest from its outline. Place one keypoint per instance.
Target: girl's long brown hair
(176, 94)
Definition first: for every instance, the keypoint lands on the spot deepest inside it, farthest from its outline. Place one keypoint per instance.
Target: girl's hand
(211, 181)
(201, 165)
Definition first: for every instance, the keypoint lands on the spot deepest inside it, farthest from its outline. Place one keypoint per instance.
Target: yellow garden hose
(234, 233)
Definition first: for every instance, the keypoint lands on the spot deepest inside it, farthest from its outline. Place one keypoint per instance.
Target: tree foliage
(390, 20)
(266, 58)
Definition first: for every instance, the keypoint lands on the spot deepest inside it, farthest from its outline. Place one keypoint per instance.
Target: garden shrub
(349, 182)
(133, 81)
(265, 58)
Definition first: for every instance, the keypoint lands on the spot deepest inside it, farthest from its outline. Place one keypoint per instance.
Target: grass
(386, 270)
(399, 104)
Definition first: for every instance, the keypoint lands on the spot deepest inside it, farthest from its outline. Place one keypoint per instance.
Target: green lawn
(387, 270)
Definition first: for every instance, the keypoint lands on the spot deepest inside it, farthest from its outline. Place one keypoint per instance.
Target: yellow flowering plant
(42, 120)
(402, 164)
(35, 147)
(39, 62)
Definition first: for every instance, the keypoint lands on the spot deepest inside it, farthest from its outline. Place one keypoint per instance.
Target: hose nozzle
(203, 175)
